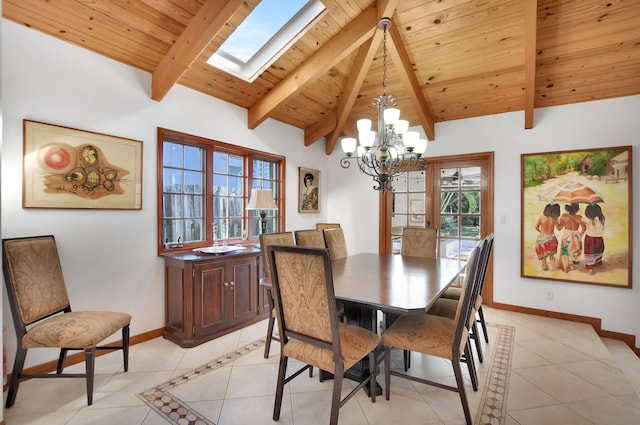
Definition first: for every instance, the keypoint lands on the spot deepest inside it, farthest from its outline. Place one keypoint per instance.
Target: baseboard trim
(596, 323)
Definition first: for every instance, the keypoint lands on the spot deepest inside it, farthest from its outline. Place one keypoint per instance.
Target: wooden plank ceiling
(447, 59)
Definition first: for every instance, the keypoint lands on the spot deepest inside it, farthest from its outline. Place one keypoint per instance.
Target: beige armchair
(439, 336)
(266, 239)
(336, 243)
(309, 329)
(42, 314)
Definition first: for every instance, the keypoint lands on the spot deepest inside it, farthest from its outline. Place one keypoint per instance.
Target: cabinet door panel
(209, 299)
(243, 276)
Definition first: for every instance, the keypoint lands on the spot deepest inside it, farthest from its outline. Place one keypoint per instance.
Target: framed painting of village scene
(69, 168)
(576, 216)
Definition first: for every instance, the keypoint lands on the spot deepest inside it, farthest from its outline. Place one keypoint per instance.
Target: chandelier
(392, 150)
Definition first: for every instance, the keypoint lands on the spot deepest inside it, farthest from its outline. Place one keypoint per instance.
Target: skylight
(264, 35)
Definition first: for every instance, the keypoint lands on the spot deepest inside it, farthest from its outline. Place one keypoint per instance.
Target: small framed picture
(309, 193)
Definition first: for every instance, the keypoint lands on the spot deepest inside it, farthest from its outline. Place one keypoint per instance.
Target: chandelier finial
(383, 154)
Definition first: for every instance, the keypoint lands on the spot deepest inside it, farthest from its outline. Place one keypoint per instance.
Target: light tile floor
(562, 373)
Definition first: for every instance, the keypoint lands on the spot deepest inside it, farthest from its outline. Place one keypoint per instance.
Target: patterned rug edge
(491, 410)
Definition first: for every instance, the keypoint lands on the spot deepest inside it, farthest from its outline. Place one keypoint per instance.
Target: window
(205, 187)
(264, 35)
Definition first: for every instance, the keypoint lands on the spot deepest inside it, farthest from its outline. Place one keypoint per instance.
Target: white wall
(109, 257)
(613, 122)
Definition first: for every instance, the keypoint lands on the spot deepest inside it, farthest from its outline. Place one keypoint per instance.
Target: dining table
(393, 284)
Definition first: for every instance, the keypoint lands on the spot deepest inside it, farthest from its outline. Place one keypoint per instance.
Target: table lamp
(262, 199)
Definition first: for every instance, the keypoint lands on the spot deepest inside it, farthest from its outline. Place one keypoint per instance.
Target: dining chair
(322, 226)
(446, 307)
(419, 242)
(266, 239)
(309, 330)
(310, 238)
(335, 243)
(455, 292)
(439, 337)
(42, 315)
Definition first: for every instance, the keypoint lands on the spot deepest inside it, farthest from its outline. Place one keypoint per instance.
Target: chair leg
(407, 360)
(282, 370)
(463, 395)
(125, 347)
(335, 397)
(373, 382)
(270, 326)
(387, 372)
(61, 360)
(476, 339)
(18, 364)
(483, 323)
(89, 359)
(473, 374)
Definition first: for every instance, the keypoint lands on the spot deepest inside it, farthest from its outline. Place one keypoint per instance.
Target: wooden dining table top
(393, 283)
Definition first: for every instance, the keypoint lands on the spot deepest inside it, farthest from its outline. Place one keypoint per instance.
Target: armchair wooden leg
(18, 364)
(125, 347)
(387, 372)
(282, 370)
(267, 343)
(89, 358)
(61, 360)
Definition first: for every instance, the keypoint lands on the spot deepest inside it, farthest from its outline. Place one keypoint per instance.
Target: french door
(454, 195)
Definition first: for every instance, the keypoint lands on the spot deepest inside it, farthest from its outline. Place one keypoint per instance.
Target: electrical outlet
(550, 296)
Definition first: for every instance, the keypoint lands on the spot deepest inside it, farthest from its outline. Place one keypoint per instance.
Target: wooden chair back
(310, 238)
(279, 238)
(335, 243)
(322, 226)
(419, 242)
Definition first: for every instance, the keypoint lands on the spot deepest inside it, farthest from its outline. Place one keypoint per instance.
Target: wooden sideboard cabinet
(207, 295)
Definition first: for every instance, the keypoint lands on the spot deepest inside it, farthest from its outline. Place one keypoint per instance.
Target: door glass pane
(449, 179)
(470, 226)
(400, 203)
(449, 226)
(470, 202)
(470, 178)
(417, 181)
(449, 202)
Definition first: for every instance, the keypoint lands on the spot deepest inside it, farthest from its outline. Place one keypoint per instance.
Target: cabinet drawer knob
(226, 284)
(232, 283)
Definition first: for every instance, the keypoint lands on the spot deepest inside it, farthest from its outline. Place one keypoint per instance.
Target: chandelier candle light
(392, 150)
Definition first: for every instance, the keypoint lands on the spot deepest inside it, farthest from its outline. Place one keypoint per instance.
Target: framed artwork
(308, 193)
(68, 168)
(576, 216)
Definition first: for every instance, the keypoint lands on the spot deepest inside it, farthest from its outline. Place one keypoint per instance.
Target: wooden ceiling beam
(320, 128)
(531, 19)
(333, 51)
(366, 54)
(404, 66)
(210, 19)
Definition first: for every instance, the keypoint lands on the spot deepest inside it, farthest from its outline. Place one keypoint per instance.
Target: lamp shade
(261, 199)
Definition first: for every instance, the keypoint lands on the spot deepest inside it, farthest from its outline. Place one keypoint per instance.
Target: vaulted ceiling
(447, 59)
